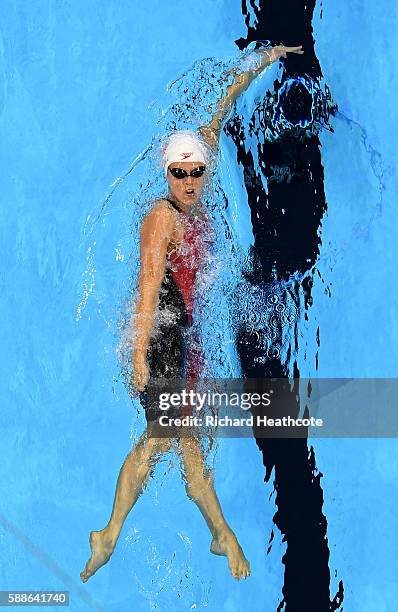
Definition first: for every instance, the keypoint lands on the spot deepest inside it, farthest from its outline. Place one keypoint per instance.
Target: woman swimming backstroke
(173, 240)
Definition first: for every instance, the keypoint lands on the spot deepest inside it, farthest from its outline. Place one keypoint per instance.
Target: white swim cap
(184, 146)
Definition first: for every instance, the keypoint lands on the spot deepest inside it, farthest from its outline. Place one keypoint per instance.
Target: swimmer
(173, 240)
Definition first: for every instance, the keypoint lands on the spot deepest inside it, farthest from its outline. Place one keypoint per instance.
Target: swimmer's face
(187, 190)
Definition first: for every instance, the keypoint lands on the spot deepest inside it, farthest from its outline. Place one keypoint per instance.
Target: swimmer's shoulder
(161, 214)
(163, 203)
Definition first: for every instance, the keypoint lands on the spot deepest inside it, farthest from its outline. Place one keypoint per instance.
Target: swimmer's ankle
(110, 534)
(221, 531)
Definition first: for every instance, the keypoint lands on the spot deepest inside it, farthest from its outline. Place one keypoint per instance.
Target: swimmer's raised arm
(211, 131)
(156, 231)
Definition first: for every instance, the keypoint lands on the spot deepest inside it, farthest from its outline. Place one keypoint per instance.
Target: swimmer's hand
(269, 56)
(140, 375)
(281, 51)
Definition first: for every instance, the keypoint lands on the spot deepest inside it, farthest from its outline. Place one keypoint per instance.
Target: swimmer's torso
(186, 256)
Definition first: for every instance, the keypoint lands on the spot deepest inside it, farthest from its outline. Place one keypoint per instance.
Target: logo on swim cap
(186, 155)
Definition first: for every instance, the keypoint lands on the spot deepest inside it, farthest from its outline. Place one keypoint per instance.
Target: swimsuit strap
(174, 205)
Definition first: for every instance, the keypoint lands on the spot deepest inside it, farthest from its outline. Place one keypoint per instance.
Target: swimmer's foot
(225, 543)
(101, 549)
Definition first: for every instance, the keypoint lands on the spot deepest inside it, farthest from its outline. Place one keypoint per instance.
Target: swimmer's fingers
(282, 51)
(298, 50)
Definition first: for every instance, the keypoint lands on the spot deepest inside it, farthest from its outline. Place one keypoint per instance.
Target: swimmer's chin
(187, 203)
(191, 198)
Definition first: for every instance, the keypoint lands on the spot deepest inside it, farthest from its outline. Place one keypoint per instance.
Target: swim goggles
(180, 173)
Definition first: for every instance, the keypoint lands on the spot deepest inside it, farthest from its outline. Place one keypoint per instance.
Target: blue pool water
(81, 89)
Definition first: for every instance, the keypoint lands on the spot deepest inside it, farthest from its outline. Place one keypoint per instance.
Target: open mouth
(190, 192)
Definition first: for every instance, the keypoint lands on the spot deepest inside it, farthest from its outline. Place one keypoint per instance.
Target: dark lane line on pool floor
(286, 223)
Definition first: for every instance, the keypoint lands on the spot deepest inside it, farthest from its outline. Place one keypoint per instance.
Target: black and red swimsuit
(173, 349)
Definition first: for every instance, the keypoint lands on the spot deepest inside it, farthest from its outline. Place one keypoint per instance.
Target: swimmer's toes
(243, 569)
(88, 571)
(235, 570)
(84, 576)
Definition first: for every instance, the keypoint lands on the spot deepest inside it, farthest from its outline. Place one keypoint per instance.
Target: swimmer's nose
(189, 180)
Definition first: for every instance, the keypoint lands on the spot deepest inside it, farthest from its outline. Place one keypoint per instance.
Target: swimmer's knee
(197, 485)
(164, 444)
(190, 446)
(158, 445)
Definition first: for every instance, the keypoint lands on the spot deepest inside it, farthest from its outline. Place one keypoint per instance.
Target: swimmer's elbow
(211, 134)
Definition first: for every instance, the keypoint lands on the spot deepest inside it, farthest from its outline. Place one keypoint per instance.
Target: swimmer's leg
(133, 477)
(199, 487)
